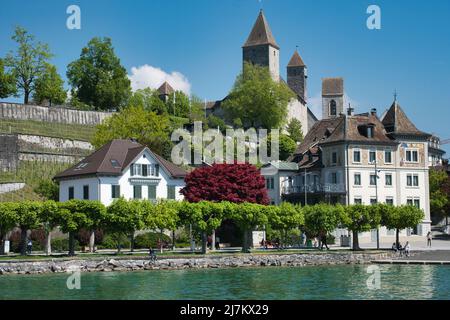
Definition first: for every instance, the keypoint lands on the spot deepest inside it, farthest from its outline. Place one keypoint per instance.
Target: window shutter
(152, 192)
(157, 170)
(132, 170)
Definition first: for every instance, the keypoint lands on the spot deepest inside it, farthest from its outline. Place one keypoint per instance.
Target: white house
(121, 168)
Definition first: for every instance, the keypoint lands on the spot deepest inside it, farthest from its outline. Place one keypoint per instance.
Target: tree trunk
(173, 240)
(355, 241)
(132, 242)
(92, 241)
(204, 242)
(26, 96)
(23, 241)
(213, 242)
(48, 243)
(2, 244)
(161, 242)
(397, 237)
(71, 244)
(245, 245)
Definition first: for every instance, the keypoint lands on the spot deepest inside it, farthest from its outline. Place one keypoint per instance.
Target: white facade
(156, 185)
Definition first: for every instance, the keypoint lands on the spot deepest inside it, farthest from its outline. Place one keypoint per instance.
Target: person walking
(323, 241)
(407, 248)
(29, 246)
(429, 238)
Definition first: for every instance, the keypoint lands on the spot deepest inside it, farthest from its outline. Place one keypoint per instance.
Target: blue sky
(200, 40)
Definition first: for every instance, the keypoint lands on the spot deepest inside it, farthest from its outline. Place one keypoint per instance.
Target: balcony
(315, 188)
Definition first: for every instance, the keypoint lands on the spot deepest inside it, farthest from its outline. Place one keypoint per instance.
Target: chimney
(373, 111)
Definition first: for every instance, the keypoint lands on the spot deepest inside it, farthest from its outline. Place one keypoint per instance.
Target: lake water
(325, 282)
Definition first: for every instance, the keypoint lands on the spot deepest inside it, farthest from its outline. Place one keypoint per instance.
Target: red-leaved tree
(226, 182)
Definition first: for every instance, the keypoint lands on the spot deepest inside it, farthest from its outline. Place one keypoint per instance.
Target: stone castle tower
(261, 47)
(296, 76)
(332, 97)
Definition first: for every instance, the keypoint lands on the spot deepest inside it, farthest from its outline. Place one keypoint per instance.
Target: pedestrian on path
(429, 237)
(407, 248)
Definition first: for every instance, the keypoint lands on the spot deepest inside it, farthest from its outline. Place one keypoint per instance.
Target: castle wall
(51, 114)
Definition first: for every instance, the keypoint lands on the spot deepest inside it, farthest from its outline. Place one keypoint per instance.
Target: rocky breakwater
(228, 261)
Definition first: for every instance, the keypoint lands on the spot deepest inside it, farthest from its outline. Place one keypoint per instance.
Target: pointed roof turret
(261, 33)
(396, 121)
(296, 60)
(165, 89)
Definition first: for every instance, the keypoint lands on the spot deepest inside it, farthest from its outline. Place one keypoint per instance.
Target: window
(170, 192)
(137, 192)
(144, 170)
(86, 192)
(417, 203)
(356, 155)
(415, 180)
(115, 163)
(387, 156)
(373, 179)
(152, 192)
(357, 201)
(369, 131)
(333, 110)
(71, 193)
(412, 180)
(269, 183)
(157, 170)
(372, 156)
(390, 201)
(334, 158)
(334, 177)
(357, 179)
(132, 170)
(373, 200)
(115, 191)
(412, 156)
(388, 179)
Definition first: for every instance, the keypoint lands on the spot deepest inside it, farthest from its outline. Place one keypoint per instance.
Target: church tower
(332, 97)
(261, 47)
(297, 75)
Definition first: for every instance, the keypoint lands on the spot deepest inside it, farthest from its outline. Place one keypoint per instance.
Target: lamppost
(376, 197)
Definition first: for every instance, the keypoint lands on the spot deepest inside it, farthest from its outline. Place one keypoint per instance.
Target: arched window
(332, 108)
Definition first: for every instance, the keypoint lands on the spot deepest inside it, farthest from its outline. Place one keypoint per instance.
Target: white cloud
(148, 76)
(315, 104)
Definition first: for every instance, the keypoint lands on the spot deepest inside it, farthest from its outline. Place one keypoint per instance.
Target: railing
(312, 188)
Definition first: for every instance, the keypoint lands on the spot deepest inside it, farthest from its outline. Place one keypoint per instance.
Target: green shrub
(330, 239)
(110, 242)
(62, 245)
(150, 239)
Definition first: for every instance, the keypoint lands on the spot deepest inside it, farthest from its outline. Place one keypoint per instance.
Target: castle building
(262, 49)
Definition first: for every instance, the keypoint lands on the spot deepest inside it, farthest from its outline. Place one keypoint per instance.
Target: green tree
(72, 217)
(28, 218)
(97, 77)
(48, 189)
(123, 218)
(134, 122)
(49, 87)
(7, 82)
(48, 216)
(249, 216)
(257, 100)
(294, 129)
(321, 219)
(439, 195)
(28, 63)
(285, 217)
(96, 213)
(400, 218)
(359, 218)
(149, 99)
(287, 146)
(8, 220)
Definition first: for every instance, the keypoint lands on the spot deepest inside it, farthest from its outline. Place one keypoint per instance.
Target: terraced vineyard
(50, 129)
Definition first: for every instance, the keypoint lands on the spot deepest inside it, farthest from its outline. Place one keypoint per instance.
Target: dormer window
(82, 165)
(115, 163)
(370, 131)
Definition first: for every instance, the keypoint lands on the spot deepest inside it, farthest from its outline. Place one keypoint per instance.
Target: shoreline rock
(213, 262)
